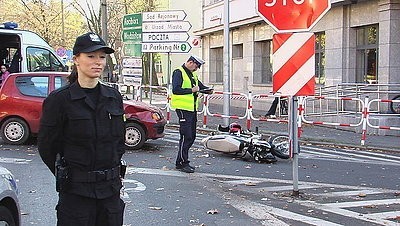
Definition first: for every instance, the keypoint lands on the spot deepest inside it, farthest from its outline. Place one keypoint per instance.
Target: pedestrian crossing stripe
(266, 213)
(338, 208)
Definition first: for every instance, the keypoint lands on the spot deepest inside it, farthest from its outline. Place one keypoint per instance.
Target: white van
(25, 51)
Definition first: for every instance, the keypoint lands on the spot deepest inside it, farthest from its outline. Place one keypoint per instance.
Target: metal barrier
(250, 108)
(362, 108)
(304, 103)
(163, 91)
(358, 101)
(377, 126)
(217, 96)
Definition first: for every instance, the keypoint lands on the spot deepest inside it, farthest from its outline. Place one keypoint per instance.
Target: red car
(22, 96)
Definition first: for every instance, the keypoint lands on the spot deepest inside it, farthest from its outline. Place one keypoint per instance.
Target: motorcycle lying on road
(248, 145)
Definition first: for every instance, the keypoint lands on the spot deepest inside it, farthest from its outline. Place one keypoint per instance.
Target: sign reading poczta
(165, 37)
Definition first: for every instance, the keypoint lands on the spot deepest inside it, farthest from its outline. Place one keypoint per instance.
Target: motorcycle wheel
(261, 156)
(280, 146)
(245, 154)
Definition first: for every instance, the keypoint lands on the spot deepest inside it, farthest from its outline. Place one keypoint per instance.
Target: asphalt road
(337, 187)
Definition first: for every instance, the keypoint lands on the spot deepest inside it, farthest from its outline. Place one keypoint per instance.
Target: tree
(114, 26)
(45, 18)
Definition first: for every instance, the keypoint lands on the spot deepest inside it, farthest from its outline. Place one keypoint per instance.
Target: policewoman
(184, 99)
(83, 123)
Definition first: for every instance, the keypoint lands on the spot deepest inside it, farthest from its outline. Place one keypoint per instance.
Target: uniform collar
(77, 92)
(186, 69)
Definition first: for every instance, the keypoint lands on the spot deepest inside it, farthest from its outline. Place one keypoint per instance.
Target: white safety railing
(217, 95)
(380, 126)
(361, 109)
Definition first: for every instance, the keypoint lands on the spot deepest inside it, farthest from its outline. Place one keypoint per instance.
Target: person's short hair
(197, 60)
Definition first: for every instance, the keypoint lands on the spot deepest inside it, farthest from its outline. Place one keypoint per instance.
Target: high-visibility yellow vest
(186, 101)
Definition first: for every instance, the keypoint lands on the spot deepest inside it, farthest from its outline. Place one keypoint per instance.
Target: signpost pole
(151, 76)
(283, 16)
(294, 143)
(169, 72)
(226, 62)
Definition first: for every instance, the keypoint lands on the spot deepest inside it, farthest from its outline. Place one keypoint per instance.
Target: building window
(367, 54)
(216, 65)
(320, 58)
(158, 66)
(262, 62)
(237, 51)
(210, 2)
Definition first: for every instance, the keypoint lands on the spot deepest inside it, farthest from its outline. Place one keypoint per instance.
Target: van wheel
(135, 136)
(15, 131)
(6, 217)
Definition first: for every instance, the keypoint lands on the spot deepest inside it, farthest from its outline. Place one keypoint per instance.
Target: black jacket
(90, 138)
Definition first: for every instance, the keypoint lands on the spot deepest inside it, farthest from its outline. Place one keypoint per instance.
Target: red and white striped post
(293, 60)
(365, 116)
(205, 106)
(249, 110)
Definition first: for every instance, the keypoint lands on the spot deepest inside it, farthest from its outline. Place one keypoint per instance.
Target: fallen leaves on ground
(249, 183)
(213, 211)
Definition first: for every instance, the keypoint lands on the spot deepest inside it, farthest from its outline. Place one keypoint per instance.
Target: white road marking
(126, 189)
(14, 160)
(350, 193)
(261, 211)
(328, 207)
(283, 188)
(267, 213)
(149, 171)
(384, 215)
(365, 155)
(362, 203)
(237, 182)
(139, 186)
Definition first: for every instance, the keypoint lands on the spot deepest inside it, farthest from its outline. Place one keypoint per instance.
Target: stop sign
(292, 15)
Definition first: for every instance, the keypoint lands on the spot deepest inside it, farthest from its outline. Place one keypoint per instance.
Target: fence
(313, 110)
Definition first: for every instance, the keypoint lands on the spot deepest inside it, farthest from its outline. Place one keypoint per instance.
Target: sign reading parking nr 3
(293, 60)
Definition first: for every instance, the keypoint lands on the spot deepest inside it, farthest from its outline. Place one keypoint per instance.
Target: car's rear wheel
(6, 217)
(135, 136)
(15, 131)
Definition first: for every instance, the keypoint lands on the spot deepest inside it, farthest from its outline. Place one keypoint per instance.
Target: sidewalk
(314, 134)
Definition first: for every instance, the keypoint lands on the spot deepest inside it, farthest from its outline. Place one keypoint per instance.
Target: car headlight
(156, 116)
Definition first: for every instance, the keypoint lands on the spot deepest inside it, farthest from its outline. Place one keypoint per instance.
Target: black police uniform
(89, 132)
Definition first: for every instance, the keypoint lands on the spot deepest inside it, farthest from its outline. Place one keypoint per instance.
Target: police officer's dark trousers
(76, 210)
(187, 130)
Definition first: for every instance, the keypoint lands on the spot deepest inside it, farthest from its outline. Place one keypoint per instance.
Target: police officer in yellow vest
(185, 89)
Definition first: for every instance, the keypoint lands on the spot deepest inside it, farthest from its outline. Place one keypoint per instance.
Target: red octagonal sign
(292, 15)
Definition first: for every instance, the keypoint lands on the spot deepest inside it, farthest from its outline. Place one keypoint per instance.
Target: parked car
(9, 206)
(22, 96)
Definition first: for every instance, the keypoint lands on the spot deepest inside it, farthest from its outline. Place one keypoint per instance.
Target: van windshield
(42, 60)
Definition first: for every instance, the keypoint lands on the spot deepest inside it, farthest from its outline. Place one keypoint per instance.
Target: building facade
(356, 42)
